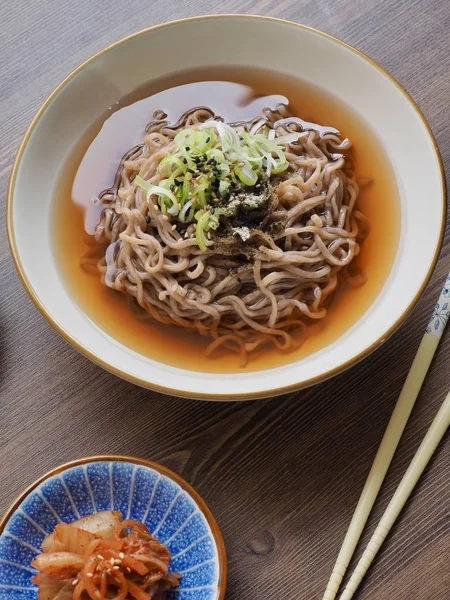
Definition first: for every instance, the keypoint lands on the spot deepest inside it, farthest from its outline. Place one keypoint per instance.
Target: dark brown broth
(92, 165)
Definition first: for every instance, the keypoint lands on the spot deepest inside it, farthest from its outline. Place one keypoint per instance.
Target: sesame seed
(108, 571)
(128, 570)
(174, 227)
(208, 235)
(90, 574)
(116, 568)
(75, 582)
(121, 555)
(100, 557)
(165, 217)
(111, 561)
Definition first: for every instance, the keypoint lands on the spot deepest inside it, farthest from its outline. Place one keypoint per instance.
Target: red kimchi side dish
(103, 557)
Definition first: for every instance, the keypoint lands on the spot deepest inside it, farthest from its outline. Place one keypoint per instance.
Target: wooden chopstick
(391, 438)
(426, 449)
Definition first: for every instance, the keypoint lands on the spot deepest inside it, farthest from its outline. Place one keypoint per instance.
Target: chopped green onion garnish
(246, 174)
(207, 163)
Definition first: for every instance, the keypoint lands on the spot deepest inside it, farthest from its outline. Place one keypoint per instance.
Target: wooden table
(282, 476)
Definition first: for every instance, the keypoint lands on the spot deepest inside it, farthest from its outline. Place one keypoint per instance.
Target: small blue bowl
(140, 490)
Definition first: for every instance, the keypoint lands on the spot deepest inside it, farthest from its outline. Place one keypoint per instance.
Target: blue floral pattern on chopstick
(441, 312)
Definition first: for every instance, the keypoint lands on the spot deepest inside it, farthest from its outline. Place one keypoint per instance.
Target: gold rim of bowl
(185, 393)
(221, 551)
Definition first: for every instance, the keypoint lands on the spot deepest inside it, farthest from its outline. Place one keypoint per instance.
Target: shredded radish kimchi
(103, 557)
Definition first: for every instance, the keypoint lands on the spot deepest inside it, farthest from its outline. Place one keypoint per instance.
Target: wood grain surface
(282, 476)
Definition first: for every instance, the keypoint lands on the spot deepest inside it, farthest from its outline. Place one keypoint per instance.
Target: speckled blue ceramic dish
(141, 490)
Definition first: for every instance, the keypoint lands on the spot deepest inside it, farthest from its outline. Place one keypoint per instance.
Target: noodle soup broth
(236, 95)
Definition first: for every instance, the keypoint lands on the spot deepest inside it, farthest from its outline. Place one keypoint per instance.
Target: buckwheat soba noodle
(238, 231)
(205, 220)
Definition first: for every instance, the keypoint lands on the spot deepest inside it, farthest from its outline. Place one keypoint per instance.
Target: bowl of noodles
(240, 225)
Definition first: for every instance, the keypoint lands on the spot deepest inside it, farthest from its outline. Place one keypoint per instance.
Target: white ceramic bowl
(114, 72)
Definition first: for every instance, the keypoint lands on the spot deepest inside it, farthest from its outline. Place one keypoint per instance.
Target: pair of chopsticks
(388, 446)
